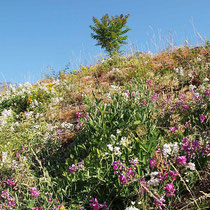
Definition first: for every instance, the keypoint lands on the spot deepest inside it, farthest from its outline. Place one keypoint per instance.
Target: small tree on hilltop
(109, 32)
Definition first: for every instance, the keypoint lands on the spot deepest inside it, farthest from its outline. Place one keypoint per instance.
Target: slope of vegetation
(128, 133)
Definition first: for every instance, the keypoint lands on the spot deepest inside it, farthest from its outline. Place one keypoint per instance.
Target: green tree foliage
(109, 32)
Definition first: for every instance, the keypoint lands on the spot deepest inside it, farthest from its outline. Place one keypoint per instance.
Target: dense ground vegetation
(127, 133)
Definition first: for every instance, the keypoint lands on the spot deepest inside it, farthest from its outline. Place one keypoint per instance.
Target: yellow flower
(64, 208)
(29, 99)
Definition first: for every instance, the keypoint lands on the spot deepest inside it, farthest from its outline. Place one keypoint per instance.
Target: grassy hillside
(128, 133)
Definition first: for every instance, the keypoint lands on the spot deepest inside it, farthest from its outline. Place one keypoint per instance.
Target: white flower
(166, 149)
(125, 95)
(131, 208)
(175, 147)
(110, 147)
(206, 79)
(113, 137)
(118, 131)
(199, 59)
(123, 141)
(108, 96)
(191, 166)
(4, 157)
(153, 181)
(117, 151)
(153, 174)
(192, 87)
(36, 126)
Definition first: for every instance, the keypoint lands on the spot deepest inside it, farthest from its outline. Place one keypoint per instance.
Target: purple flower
(79, 114)
(173, 174)
(207, 93)
(143, 102)
(143, 183)
(187, 124)
(73, 168)
(126, 91)
(185, 107)
(149, 82)
(202, 118)
(34, 192)
(10, 182)
(169, 190)
(94, 203)
(159, 203)
(123, 179)
(152, 163)
(173, 129)
(181, 160)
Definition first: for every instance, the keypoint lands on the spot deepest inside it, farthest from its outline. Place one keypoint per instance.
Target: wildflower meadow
(131, 132)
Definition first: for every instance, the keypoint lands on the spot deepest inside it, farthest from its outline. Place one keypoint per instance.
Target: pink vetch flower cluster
(202, 118)
(169, 190)
(159, 203)
(73, 168)
(207, 92)
(181, 160)
(34, 192)
(173, 129)
(143, 102)
(37, 208)
(125, 174)
(149, 82)
(191, 148)
(94, 203)
(154, 97)
(129, 95)
(185, 107)
(10, 201)
(58, 207)
(10, 182)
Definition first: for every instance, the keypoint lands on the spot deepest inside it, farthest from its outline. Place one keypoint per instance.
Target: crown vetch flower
(152, 163)
(181, 160)
(202, 118)
(123, 179)
(169, 189)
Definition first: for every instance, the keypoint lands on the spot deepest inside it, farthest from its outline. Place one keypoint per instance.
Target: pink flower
(181, 160)
(149, 82)
(173, 174)
(123, 179)
(207, 93)
(185, 107)
(173, 129)
(143, 183)
(202, 118)
(187, 124)
(159, 203)
(152, 163)
(94, 203)
(72, 168)
(10, 182)
(79, 114)
(126, 91)
(34, 192)
(144, 102)
(169, 190)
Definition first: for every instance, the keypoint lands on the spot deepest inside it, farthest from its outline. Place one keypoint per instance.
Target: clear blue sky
(36, 34)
